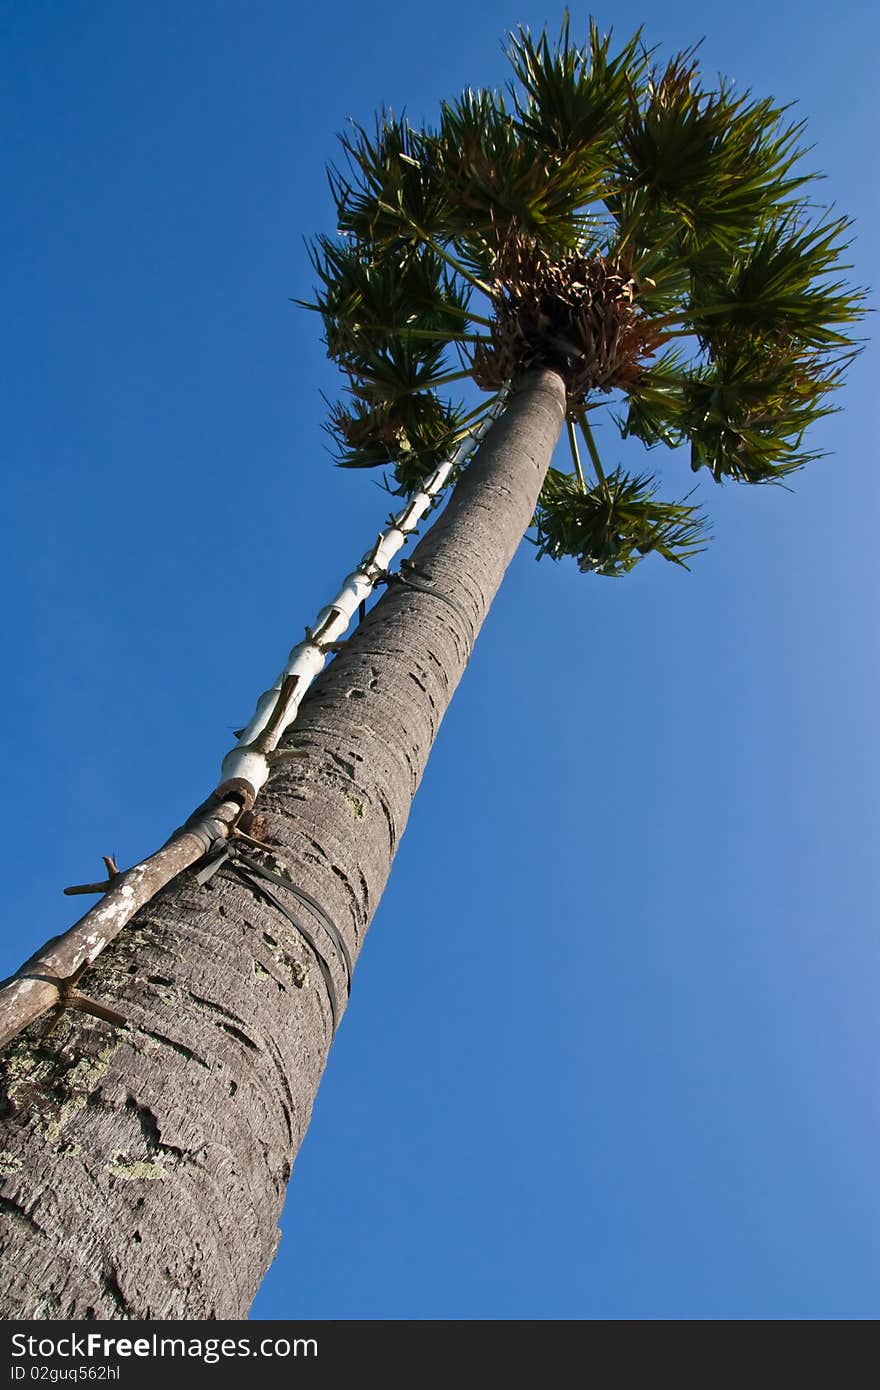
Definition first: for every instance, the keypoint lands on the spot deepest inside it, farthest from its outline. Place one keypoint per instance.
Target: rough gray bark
(144, 1169)
(45, 980)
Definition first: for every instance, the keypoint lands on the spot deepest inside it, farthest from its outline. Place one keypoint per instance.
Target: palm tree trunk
(144, 1168)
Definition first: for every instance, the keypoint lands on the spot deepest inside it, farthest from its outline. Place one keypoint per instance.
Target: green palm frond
(572, 97)
(391, 182)
(610, 527)
(656, 408)
(776, 288)
(363, 297)
(412, 436)
(498, 177)
(569, 102)
(716, 163)
(745, 414)
(395, 368)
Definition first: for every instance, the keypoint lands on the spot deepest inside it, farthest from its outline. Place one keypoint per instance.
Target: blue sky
(612, 1047)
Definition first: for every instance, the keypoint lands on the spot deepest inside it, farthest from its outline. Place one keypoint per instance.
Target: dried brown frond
(576, 313)
(359, 430)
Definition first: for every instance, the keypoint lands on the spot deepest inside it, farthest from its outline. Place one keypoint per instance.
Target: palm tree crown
(649, 238)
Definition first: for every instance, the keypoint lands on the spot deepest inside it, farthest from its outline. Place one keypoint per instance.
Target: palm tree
(608, 236)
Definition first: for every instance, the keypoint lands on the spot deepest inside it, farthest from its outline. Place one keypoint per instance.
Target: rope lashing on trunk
(403, 579)
(258, 877)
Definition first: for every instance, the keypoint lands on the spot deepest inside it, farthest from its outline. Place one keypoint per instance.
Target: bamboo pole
(250, 760)
(47, 980)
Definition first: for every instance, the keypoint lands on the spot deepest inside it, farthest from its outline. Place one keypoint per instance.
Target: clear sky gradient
(612, 1046)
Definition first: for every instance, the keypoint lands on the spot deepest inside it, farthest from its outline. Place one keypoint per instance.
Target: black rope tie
(308, 901)
(403, 579)
(258, 878)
